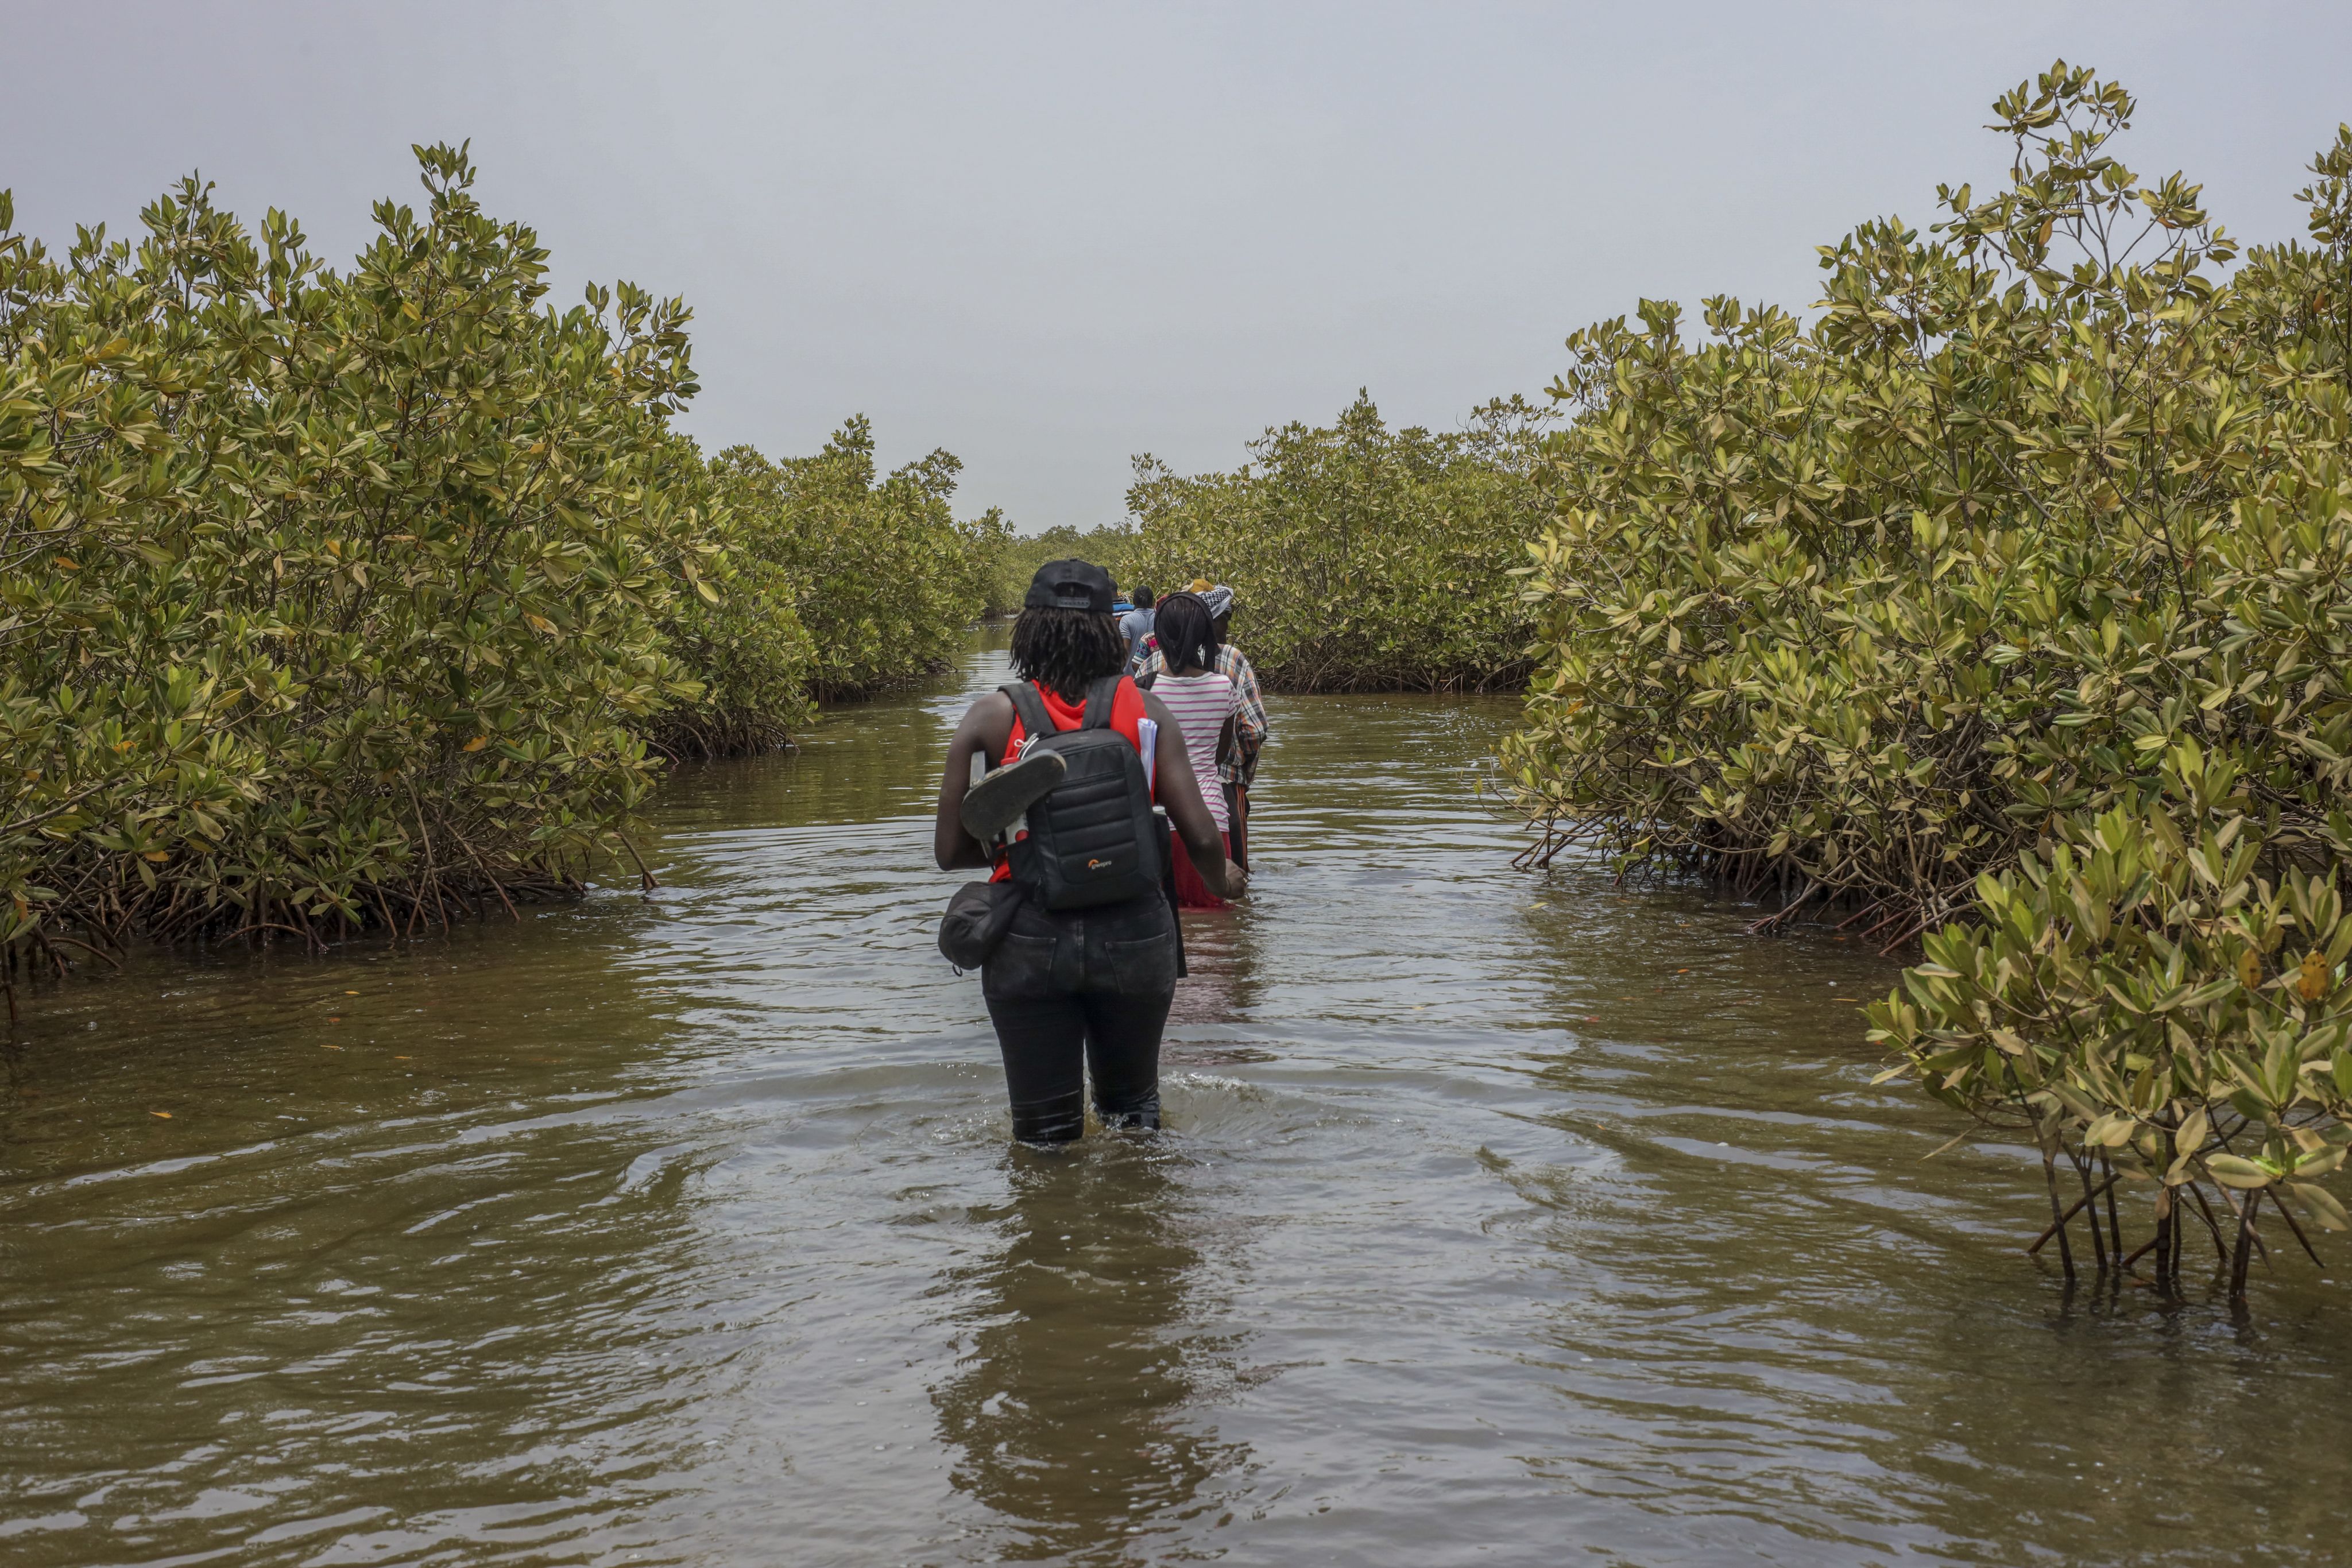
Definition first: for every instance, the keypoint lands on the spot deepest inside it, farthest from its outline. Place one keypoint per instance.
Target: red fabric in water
(1192, 893)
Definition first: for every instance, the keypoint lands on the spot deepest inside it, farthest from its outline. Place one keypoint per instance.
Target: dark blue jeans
(1074, 989)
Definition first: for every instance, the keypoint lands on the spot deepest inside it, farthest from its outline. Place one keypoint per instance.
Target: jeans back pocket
(1021, 966)
(1145, 967)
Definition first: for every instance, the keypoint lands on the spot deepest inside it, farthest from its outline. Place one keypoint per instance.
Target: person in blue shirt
(1137, 623)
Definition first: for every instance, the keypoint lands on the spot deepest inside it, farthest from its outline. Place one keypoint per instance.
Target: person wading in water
(1136, 624)
(1237, 764)
(1073, 983)
(1203, 703)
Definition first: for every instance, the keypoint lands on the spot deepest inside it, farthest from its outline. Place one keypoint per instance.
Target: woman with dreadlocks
(1084, 974)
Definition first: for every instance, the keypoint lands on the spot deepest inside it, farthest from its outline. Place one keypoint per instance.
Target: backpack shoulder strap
(1099, 698)
(1035, 720)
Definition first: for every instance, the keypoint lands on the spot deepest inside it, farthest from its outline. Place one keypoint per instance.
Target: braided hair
(1067, 650)
(1187, 634)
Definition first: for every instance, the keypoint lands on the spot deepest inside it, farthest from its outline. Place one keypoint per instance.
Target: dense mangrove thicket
(992, 581)
(2011, 602)
(738, 633)
(331, 598)
(1362, 558)
(831, 585)
(884, 578)
(327, 595)
(1110, 546)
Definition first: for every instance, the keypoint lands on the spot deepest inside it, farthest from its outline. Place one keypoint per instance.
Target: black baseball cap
(1072, 585)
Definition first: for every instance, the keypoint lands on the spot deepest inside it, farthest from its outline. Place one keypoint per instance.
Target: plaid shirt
(1250, 729)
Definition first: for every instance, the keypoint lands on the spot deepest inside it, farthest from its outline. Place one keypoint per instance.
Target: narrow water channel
(1501, 1218)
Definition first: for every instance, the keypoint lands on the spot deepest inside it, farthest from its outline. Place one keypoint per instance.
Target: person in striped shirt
(1238, 771)
(1201, 701)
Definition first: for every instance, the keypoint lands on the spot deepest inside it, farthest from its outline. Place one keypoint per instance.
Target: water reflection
(1223, 984)
(1084, 1349)
(324, 1287)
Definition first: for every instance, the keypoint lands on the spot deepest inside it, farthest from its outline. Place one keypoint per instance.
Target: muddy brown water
(1501, 1218)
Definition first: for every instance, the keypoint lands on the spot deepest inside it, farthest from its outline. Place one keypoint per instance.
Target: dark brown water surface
(1501, 1218)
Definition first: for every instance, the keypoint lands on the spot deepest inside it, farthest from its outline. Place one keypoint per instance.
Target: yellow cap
(1201, 585)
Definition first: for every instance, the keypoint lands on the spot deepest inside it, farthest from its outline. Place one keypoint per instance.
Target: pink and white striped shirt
(1200, 705)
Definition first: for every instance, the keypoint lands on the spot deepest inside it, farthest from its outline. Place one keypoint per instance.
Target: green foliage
(884, 579)
(1905, 607)
(990, 547)
(323, 595)
(2144, 1001)
(1361, 558)
(1110, 547)
(736, 632)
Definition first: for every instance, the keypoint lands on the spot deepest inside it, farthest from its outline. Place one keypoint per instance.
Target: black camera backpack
(1093, 840)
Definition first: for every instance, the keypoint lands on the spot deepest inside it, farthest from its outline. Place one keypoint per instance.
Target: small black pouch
(976, 919)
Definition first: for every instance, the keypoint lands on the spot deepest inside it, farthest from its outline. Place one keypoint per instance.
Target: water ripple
(1499, 1217)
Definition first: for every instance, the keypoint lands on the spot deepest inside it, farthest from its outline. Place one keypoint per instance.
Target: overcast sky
(1048, 236)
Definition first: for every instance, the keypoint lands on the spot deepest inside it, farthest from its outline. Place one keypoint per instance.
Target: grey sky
(1047, 236)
